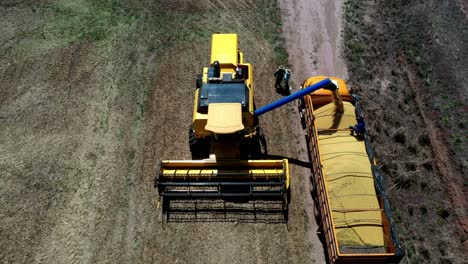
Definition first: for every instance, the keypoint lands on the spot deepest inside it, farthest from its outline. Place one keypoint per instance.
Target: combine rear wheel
(251, 148)
(199, 81)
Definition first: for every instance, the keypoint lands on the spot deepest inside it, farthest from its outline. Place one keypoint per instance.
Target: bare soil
(313, 33)
(313, 40)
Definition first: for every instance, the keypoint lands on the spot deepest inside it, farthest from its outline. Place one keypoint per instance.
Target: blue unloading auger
(326, 84)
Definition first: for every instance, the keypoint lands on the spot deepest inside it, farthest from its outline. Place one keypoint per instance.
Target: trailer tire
(303, 123)
(321, 234)
(301, 110)
(317, 216)
(316, 213)
(312, 187)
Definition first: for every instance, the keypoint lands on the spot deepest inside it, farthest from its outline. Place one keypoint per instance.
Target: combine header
(254, 179)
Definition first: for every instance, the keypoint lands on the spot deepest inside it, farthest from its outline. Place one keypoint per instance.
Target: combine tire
(254, 148)
(200, 149)
(199, 82)
(251, 148)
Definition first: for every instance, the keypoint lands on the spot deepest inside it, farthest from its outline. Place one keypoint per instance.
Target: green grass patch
(271, 29)
(70, 20)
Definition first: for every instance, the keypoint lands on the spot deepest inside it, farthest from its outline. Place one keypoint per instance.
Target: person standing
(360, 127)
(279, 77)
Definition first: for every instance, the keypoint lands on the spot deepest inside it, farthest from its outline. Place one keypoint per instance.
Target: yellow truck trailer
(351, 205)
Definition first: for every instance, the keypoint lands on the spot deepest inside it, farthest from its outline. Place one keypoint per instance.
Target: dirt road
(312, 31)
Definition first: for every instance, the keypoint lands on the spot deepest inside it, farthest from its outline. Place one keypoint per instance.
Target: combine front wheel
(200, 149)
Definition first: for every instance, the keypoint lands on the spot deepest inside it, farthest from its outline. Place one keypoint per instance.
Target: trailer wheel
(312, 187)
(316, 213)
(320, 234)
(318, 219)
(303, 123)
(301, 110)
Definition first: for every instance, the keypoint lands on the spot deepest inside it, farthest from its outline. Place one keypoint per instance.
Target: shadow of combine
(189, 211)
(305, 164)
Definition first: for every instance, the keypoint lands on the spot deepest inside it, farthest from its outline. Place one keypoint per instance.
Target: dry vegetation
(92, 94)
(408, 59)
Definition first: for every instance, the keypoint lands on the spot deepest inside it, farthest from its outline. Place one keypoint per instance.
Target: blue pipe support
(310, 89)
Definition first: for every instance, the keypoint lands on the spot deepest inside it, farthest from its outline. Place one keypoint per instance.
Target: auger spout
(326, 84)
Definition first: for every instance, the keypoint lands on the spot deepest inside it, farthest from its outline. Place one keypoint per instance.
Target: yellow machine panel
(325, 96)
(224, 48)
(224, 118)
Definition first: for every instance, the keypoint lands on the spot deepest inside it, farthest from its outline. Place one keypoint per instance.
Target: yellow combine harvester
(225, 139)
(352, 208)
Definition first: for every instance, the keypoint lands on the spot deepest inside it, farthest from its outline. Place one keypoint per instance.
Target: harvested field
(92, 95)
